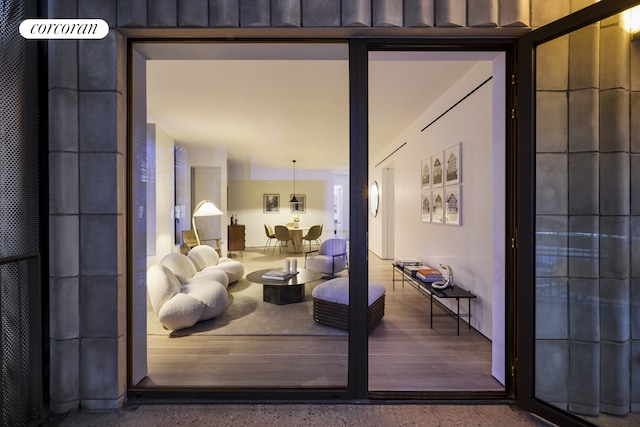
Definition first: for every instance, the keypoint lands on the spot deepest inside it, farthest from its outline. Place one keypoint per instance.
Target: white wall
(246, 200)
(163, 187)
(199, 156)
(474, 250)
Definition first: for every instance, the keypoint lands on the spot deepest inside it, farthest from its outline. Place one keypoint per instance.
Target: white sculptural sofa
(186, 289)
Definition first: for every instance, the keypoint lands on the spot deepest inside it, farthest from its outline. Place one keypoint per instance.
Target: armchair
(331, 258)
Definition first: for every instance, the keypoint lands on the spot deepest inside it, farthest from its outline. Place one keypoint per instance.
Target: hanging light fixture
(293, 197)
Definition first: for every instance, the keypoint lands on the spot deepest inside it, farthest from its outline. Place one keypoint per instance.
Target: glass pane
(419, 153)
(587, 207)
(247, 127)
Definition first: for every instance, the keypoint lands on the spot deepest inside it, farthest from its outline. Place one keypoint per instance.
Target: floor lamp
(204, 208)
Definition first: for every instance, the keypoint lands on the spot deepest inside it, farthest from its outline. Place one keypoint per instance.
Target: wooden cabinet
(235, 238)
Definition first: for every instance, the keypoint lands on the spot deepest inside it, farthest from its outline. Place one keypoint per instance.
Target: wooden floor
(405, 354)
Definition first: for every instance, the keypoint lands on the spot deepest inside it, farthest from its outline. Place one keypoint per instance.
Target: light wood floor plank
(405, 354)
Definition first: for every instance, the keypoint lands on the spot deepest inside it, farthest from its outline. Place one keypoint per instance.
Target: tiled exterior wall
(88, 165)
(587, 287)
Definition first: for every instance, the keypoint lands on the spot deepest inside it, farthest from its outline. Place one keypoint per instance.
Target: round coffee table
(284, 291)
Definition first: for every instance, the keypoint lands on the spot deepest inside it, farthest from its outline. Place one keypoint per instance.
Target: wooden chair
(283, 236)
(188, 241)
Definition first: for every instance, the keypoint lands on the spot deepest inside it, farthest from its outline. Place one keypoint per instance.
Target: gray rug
(247, 314)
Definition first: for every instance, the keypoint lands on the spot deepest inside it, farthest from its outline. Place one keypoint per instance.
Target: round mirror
(374, 198)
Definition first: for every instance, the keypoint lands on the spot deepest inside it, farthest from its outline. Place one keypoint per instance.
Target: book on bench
(428, 274)
(277, 275)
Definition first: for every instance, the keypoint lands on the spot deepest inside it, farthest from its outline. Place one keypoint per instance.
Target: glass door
(578, 250)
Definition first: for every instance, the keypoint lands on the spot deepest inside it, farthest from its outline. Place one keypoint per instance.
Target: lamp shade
(206, 208)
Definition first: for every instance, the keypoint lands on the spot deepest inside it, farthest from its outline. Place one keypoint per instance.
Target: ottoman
(331, 303)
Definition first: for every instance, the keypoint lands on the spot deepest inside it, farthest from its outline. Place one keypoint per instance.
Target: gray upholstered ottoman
(331, 303)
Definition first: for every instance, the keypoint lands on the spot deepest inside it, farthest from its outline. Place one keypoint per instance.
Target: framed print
(271, 203)
(426, 206)
(436, 170)
(301, 206)
(452, 205)
(452, 165)
(425, 174)
(437, 205)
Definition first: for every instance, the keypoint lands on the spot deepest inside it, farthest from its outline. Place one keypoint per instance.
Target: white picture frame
(437, 171)
(425, 203)
(452, 169)
(452, 205)
(425, 174)
(437, 206)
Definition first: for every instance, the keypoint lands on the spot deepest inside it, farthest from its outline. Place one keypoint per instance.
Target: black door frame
(359, 147)
(525, 185)
(357, 385)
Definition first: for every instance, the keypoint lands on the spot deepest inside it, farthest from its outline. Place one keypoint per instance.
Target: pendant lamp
(293, 197)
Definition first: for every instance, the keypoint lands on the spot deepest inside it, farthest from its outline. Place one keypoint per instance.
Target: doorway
(457, 125)
(238, 198)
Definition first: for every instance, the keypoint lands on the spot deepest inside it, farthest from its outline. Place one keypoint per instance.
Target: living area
(404, 351)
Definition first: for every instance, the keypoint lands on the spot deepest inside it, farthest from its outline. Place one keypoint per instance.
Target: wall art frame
(437, 206)
(452, 165)
(437, 170)
(426, 206)
(271, 203)
(452, 205)
(425, 174)
(301, 205)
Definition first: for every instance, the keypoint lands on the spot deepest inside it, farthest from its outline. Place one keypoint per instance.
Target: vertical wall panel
(193, 13)
(132, 13)
(286, 13)
(321, 13)
(387, 13)
(103, 9)
(419, 13)
(356, 13)
(483, 13)
(224, 13)
(162, 13)
(514, 13)
(451, 13)
(255, 13)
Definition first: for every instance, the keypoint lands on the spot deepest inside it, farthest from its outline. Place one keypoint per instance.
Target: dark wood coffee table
(284, 291)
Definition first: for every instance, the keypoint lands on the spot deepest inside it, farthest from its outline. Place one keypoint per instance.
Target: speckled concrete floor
(285, 415)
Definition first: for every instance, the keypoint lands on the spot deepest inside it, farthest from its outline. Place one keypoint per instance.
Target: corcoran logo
(64, 29)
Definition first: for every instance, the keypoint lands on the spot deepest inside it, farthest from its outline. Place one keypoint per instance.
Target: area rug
(247, 314)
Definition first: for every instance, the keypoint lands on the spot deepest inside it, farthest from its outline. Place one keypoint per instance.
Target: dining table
(297, 232)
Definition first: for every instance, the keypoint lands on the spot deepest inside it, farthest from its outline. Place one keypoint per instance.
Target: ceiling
(268, 104)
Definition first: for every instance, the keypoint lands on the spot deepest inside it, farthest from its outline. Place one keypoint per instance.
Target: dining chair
(270, 236)
(313, 235)
(283, 236)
